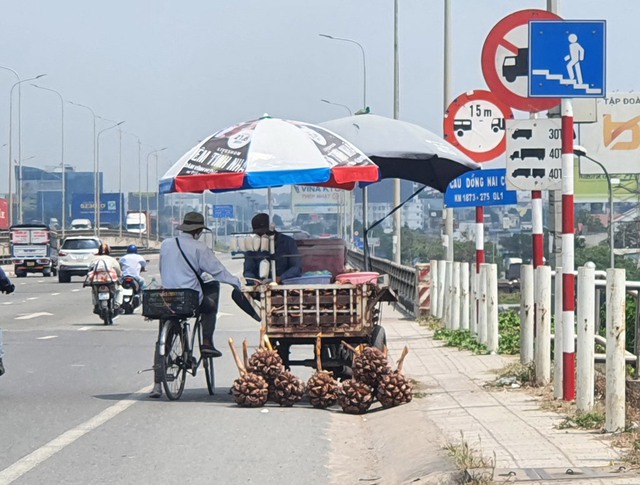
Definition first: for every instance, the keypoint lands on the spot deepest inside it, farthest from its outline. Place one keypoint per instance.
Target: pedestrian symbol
(567, 59)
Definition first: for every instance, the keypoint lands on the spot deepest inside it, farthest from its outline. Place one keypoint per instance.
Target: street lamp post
(10, 134)
(97, 181)
(364, 65)
(582, 152)
(64, 170)
(139, 176)
(95, 195)
(18, 187)
(154, 152)
(338, 104)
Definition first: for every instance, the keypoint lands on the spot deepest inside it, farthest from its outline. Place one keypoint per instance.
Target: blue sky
(176, 71)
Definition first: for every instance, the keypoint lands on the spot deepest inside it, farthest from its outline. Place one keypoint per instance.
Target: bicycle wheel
(207, 362)
(173, 362)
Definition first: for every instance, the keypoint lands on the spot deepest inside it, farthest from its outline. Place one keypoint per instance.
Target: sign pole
(479, 255)
(568, 279)
(537, 234)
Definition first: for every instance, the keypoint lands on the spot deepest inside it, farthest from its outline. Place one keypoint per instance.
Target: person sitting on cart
(288, 264)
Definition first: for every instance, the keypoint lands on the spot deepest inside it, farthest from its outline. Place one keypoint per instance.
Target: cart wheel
(378, 338)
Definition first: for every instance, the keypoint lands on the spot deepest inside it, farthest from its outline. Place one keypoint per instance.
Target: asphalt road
(73, 405)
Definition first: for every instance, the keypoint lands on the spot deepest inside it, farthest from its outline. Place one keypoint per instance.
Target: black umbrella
(403, 150)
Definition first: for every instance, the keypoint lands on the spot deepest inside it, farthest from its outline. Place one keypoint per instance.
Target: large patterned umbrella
(269, 152)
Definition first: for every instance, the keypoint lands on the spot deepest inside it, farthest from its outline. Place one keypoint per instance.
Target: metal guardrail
(402, 278)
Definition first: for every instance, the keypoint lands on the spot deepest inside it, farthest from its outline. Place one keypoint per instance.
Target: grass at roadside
(478, 469)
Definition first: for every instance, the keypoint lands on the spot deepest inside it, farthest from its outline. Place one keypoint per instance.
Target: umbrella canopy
(269, 152)
(404, 150)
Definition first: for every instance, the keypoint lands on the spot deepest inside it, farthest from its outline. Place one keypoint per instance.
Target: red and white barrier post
(568, 279)
(479, 261)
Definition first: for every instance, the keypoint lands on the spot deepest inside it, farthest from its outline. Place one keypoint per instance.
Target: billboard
(306, 199)
(4, 214)
(82, 207)
(614, 140)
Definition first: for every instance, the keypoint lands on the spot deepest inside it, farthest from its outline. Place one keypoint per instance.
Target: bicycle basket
(169, 302)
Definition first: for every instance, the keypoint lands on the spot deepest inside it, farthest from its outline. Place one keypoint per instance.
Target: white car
(76, 256)
(81, 225)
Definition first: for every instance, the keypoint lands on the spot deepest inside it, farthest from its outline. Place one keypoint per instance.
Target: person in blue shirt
(288, 263)
(5, 287)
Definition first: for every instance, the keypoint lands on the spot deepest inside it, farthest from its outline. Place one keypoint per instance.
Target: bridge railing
(411, 283)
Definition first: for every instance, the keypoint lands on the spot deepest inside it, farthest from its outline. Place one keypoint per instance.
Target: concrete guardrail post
(526, 314)
(422, 285)
(448, 274)
(473, 308)
(464, 297)
(586, 325)
(482, 304)
(557, 336)
(615, 390)
(441, 277)
(434, 289)
(492, 307)
(455, 296)
(542, 301)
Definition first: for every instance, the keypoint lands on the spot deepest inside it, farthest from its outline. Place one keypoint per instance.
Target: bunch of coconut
(373, 378)
(284, 387)
(322, 388)
(250, 389)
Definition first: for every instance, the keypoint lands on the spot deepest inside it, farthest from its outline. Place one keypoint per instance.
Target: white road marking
(33, 298)
(34, 315)
(83, 329)
(55, 294)
(7, 303)
(40, 281)
(76, 289)
(222, 314)
(48, 337)
(46, 451)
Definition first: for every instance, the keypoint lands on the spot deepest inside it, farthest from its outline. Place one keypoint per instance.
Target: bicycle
(175, 347)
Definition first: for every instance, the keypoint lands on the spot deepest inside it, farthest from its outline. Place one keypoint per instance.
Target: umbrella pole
(365, 249)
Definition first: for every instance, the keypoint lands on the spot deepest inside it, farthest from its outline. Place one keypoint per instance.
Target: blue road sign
(480, 188)
(223, 211)
(567, 59)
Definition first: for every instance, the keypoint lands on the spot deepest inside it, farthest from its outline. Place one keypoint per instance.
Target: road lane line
(83, 329)
(29, 316)
(76, 289)
(55, 294)
(46, 451)
(7, 303)
(33, 298)
(48, 337)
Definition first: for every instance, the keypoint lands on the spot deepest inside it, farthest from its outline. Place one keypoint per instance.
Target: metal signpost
(567, 60)
(534, 154)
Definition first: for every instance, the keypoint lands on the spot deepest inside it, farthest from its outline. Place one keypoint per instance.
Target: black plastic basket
(168, 302)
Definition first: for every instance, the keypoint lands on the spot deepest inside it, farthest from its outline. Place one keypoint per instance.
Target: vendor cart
(343, 313)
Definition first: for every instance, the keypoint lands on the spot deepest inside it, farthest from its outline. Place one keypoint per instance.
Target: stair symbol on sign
(565, 81)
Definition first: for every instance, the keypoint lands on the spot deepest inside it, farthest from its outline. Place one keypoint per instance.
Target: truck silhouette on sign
(523, 153)
(497, 124)
(522, 133)
(516, 66)
(529, 172)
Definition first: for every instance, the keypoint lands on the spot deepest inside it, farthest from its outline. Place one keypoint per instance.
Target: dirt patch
(389, 446)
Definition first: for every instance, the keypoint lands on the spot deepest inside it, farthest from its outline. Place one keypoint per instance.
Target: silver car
(76, 256)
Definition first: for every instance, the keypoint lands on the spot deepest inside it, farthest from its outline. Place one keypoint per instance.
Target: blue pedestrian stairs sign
(567, 59)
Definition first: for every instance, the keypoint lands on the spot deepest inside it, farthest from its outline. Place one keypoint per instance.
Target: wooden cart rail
(301, 311)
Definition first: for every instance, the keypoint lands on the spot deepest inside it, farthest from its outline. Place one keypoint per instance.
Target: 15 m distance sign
(480, 188)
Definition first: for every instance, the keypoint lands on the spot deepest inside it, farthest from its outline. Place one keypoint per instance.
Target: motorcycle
(131, 292)
(104, 285)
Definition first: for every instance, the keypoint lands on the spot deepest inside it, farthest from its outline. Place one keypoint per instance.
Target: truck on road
(34, 249)
(136, 222)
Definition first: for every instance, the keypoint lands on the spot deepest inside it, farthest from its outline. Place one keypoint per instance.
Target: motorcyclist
(105, 262)
(132, 264)
(5, 287)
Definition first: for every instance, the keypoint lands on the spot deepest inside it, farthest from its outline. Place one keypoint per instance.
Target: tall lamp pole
(95, 169)
(365, 192)
(10, 134)
(154, 152)
(139, 175)
(582, 152)
(64, 170)
(18, 185)
(97, 189)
